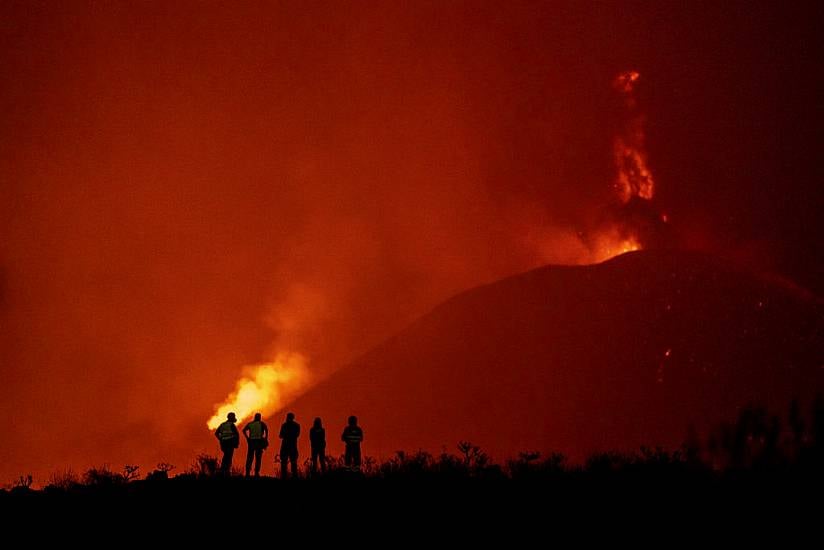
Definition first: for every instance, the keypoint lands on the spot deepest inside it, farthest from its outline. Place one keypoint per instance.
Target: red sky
(187, 187)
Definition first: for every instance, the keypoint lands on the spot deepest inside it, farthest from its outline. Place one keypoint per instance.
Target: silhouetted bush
(757, 443)
(104, 477)
(205, 466)
(161, 472)
(404, 464)
(529, 465)
(63, 480)
(22, 484)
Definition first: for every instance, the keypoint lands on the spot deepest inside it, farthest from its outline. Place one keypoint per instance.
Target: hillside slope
(576, 359)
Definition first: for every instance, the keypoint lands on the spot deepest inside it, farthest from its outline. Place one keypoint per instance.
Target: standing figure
(289, 433)
(229, 439)
(317, 437)
(352, 437)
(257, 439)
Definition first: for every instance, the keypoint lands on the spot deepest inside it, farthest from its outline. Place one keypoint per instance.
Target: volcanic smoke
(268, 387)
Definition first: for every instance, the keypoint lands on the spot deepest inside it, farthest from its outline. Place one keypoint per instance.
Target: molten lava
(633, 179)
(609, 245)
(264, 388)
(625, 82)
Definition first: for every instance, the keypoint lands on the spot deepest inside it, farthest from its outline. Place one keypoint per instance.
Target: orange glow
(625, 81)
(610, 245)
(264, 388)
(578, 249)
(188, 192)
(634, 178)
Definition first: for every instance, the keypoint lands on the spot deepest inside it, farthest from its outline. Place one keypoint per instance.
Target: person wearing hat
(229, 439)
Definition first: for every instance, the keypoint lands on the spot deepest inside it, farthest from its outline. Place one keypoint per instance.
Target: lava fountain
(264, 388)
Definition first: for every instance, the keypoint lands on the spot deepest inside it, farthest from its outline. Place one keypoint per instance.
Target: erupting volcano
(620, 233)
(613, 356)
(632, 221)
(533, 225)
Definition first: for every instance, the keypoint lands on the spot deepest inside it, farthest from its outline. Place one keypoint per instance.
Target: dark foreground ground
(757, 477)
(410, 497)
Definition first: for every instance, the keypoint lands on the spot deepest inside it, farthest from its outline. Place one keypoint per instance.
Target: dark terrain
(584, 359)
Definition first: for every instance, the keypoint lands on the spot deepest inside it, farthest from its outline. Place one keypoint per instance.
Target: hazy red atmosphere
(190, 188)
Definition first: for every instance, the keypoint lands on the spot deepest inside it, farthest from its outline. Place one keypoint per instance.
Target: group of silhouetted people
(257, 439)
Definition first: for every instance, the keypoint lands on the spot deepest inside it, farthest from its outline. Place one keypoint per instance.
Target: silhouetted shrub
(604, 462)
(161, 472)
(22, 483)
(757, 443)
(474, 459)
(450, 465)
(130, 472)
(404, 464)
(529, 465)
(205, 465)
(64, 480)
(102, 476)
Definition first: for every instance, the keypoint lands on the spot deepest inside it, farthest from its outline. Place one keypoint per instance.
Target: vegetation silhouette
(761, 459)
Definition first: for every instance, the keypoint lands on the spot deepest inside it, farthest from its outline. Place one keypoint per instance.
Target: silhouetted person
(289, 433)
(257, 439)
(352, 436)
(317, 437)
(229, 439)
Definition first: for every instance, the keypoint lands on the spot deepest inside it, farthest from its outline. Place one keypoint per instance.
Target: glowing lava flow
(264, 388)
